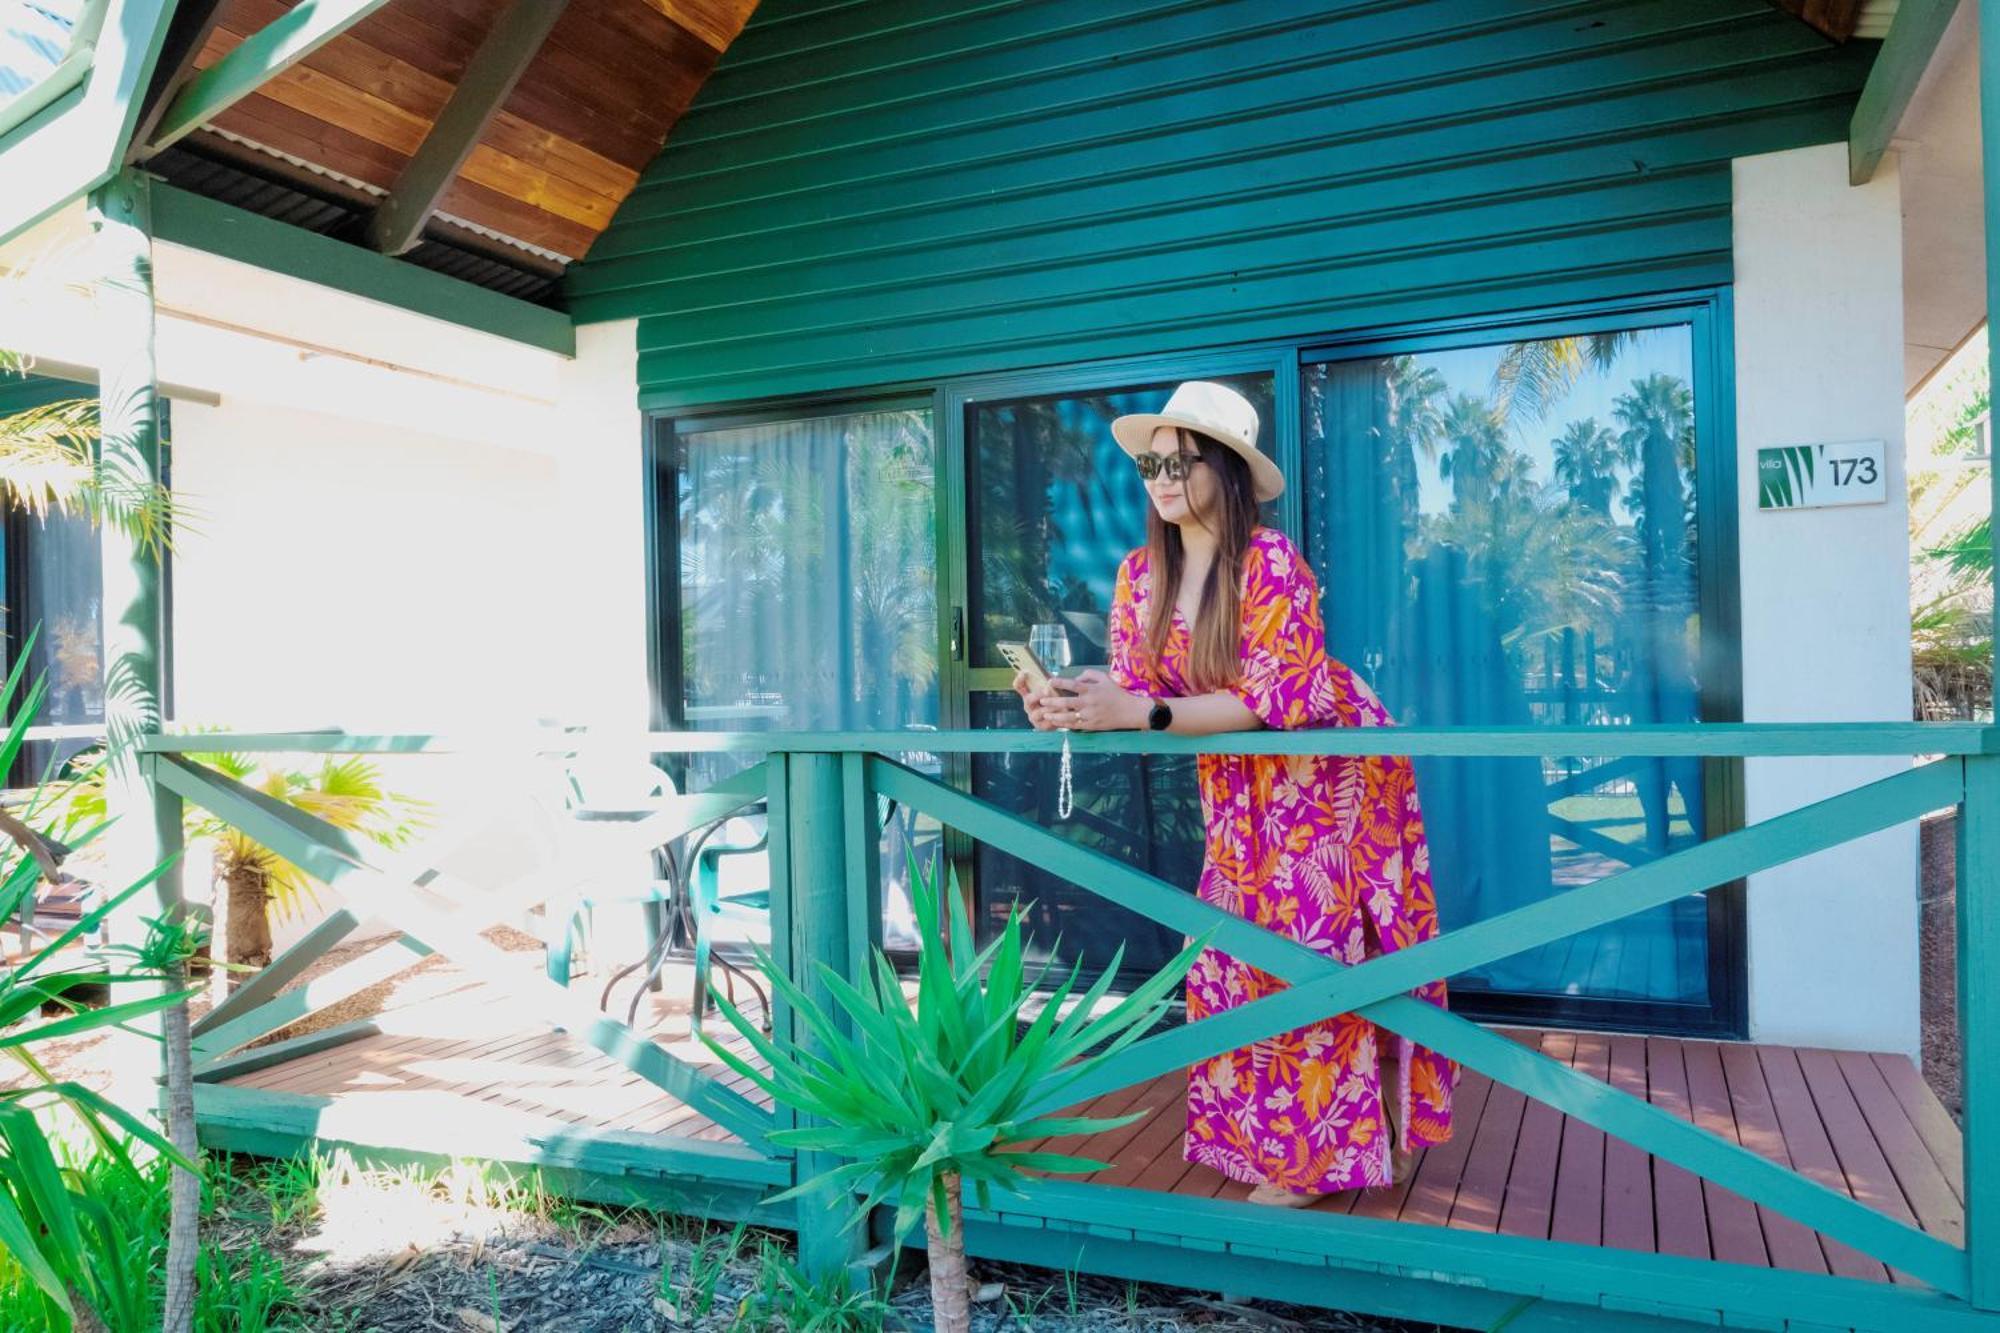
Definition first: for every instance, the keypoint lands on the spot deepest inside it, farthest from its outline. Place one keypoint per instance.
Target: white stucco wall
(1819, 358)
(602, 526)
(342, 573)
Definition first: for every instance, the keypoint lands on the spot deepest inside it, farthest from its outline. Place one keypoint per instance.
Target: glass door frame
(1709, 317)
(660, 492)
(957, 400)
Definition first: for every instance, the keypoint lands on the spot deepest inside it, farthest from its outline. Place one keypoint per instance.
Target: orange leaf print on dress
(1327, 851)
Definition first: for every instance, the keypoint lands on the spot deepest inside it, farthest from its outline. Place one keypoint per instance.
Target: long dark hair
(1216, 652)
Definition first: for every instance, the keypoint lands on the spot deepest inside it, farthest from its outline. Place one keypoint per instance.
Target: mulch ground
(536, 1280)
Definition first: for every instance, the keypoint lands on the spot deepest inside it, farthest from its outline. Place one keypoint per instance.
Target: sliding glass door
(804, 593)
(1514, 525)
(1512, 533)
(1052, 505)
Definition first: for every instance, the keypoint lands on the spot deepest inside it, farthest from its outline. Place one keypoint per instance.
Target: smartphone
(1022, 658)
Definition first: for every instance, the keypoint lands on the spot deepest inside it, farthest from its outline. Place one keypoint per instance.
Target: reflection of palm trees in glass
(1478, 447)
(1657, 440)
(1533, 377)
(1585, 456)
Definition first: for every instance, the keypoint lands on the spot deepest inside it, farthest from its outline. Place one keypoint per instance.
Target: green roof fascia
(234, 233)
(77, 143)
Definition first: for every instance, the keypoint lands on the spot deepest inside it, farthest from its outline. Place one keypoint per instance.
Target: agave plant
(925, 1094)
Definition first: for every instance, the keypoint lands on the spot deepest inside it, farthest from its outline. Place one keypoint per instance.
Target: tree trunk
(951, 1293)
(183, 1239)
(248, 909)
(85, 1320)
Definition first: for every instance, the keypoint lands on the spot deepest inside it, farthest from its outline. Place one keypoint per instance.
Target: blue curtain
(1491, 558)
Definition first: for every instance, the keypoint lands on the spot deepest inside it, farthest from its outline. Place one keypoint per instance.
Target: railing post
(818, 834)
(1978, 928)
(129, 458)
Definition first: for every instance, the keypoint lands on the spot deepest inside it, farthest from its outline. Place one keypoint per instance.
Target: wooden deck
(1866, 1125)
(1863, 1124)
(505, 1065)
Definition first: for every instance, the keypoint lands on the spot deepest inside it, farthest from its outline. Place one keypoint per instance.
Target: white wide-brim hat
(1216, 410)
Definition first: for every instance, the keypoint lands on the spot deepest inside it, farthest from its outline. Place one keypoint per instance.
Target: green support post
(1978, 928)
(819, 831)
(1979, 816)
(129, 457)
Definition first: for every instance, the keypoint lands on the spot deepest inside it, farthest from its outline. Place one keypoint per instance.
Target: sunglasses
(1174, 467)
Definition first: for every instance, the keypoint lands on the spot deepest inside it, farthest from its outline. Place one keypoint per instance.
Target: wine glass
(1050, 642)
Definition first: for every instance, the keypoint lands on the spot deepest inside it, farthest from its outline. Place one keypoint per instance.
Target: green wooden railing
(822, 791)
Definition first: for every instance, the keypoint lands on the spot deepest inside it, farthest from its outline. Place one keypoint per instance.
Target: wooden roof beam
(263, 56)
(1834, 18)
(1899, 66)
(398, 221)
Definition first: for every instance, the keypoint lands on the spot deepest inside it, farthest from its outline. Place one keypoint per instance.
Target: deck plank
(1578, 1213)
(1869, 1177)
(1812, 1151)
(1933, 1122)
(1931, 1196)
(1734, 1233)
(1791, 1244)
(1628, 1173)
(1482, 1184)
(1159, 1138)
(1434, 1184)
(1680, 1212)
(1531, 1186)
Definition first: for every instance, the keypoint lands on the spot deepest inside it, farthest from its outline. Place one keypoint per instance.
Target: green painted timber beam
(333, 856)
(1892, 81)
(263, 55)
(349, 979)
(1979, 821)
(511, 43)
(441, 1123)
(194, 21)
(292, 1048)
(234, 233)
(146, 830)
(77, 142)
(275, 975)
(1669, 1285)
(1715, 739)
(1879, 805)
(1978, 942)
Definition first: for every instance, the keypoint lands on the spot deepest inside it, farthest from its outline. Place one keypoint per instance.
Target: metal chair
(604, 800)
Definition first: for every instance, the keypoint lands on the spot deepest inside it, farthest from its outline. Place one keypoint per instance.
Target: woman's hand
(1095, 702)
(1034, 702)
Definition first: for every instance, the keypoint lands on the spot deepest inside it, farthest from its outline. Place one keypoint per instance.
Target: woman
(1215, 627)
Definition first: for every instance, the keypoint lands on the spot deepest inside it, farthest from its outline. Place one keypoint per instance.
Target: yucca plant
(924, 1095)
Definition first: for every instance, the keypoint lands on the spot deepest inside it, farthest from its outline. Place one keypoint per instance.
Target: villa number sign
(1816, 476)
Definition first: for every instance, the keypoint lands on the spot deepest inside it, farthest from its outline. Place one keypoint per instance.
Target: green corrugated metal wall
(892, 190)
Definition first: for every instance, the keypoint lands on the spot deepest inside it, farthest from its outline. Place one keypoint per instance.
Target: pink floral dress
(1327, 851)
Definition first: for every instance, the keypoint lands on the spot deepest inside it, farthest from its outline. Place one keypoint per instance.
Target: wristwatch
(1161, 717)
